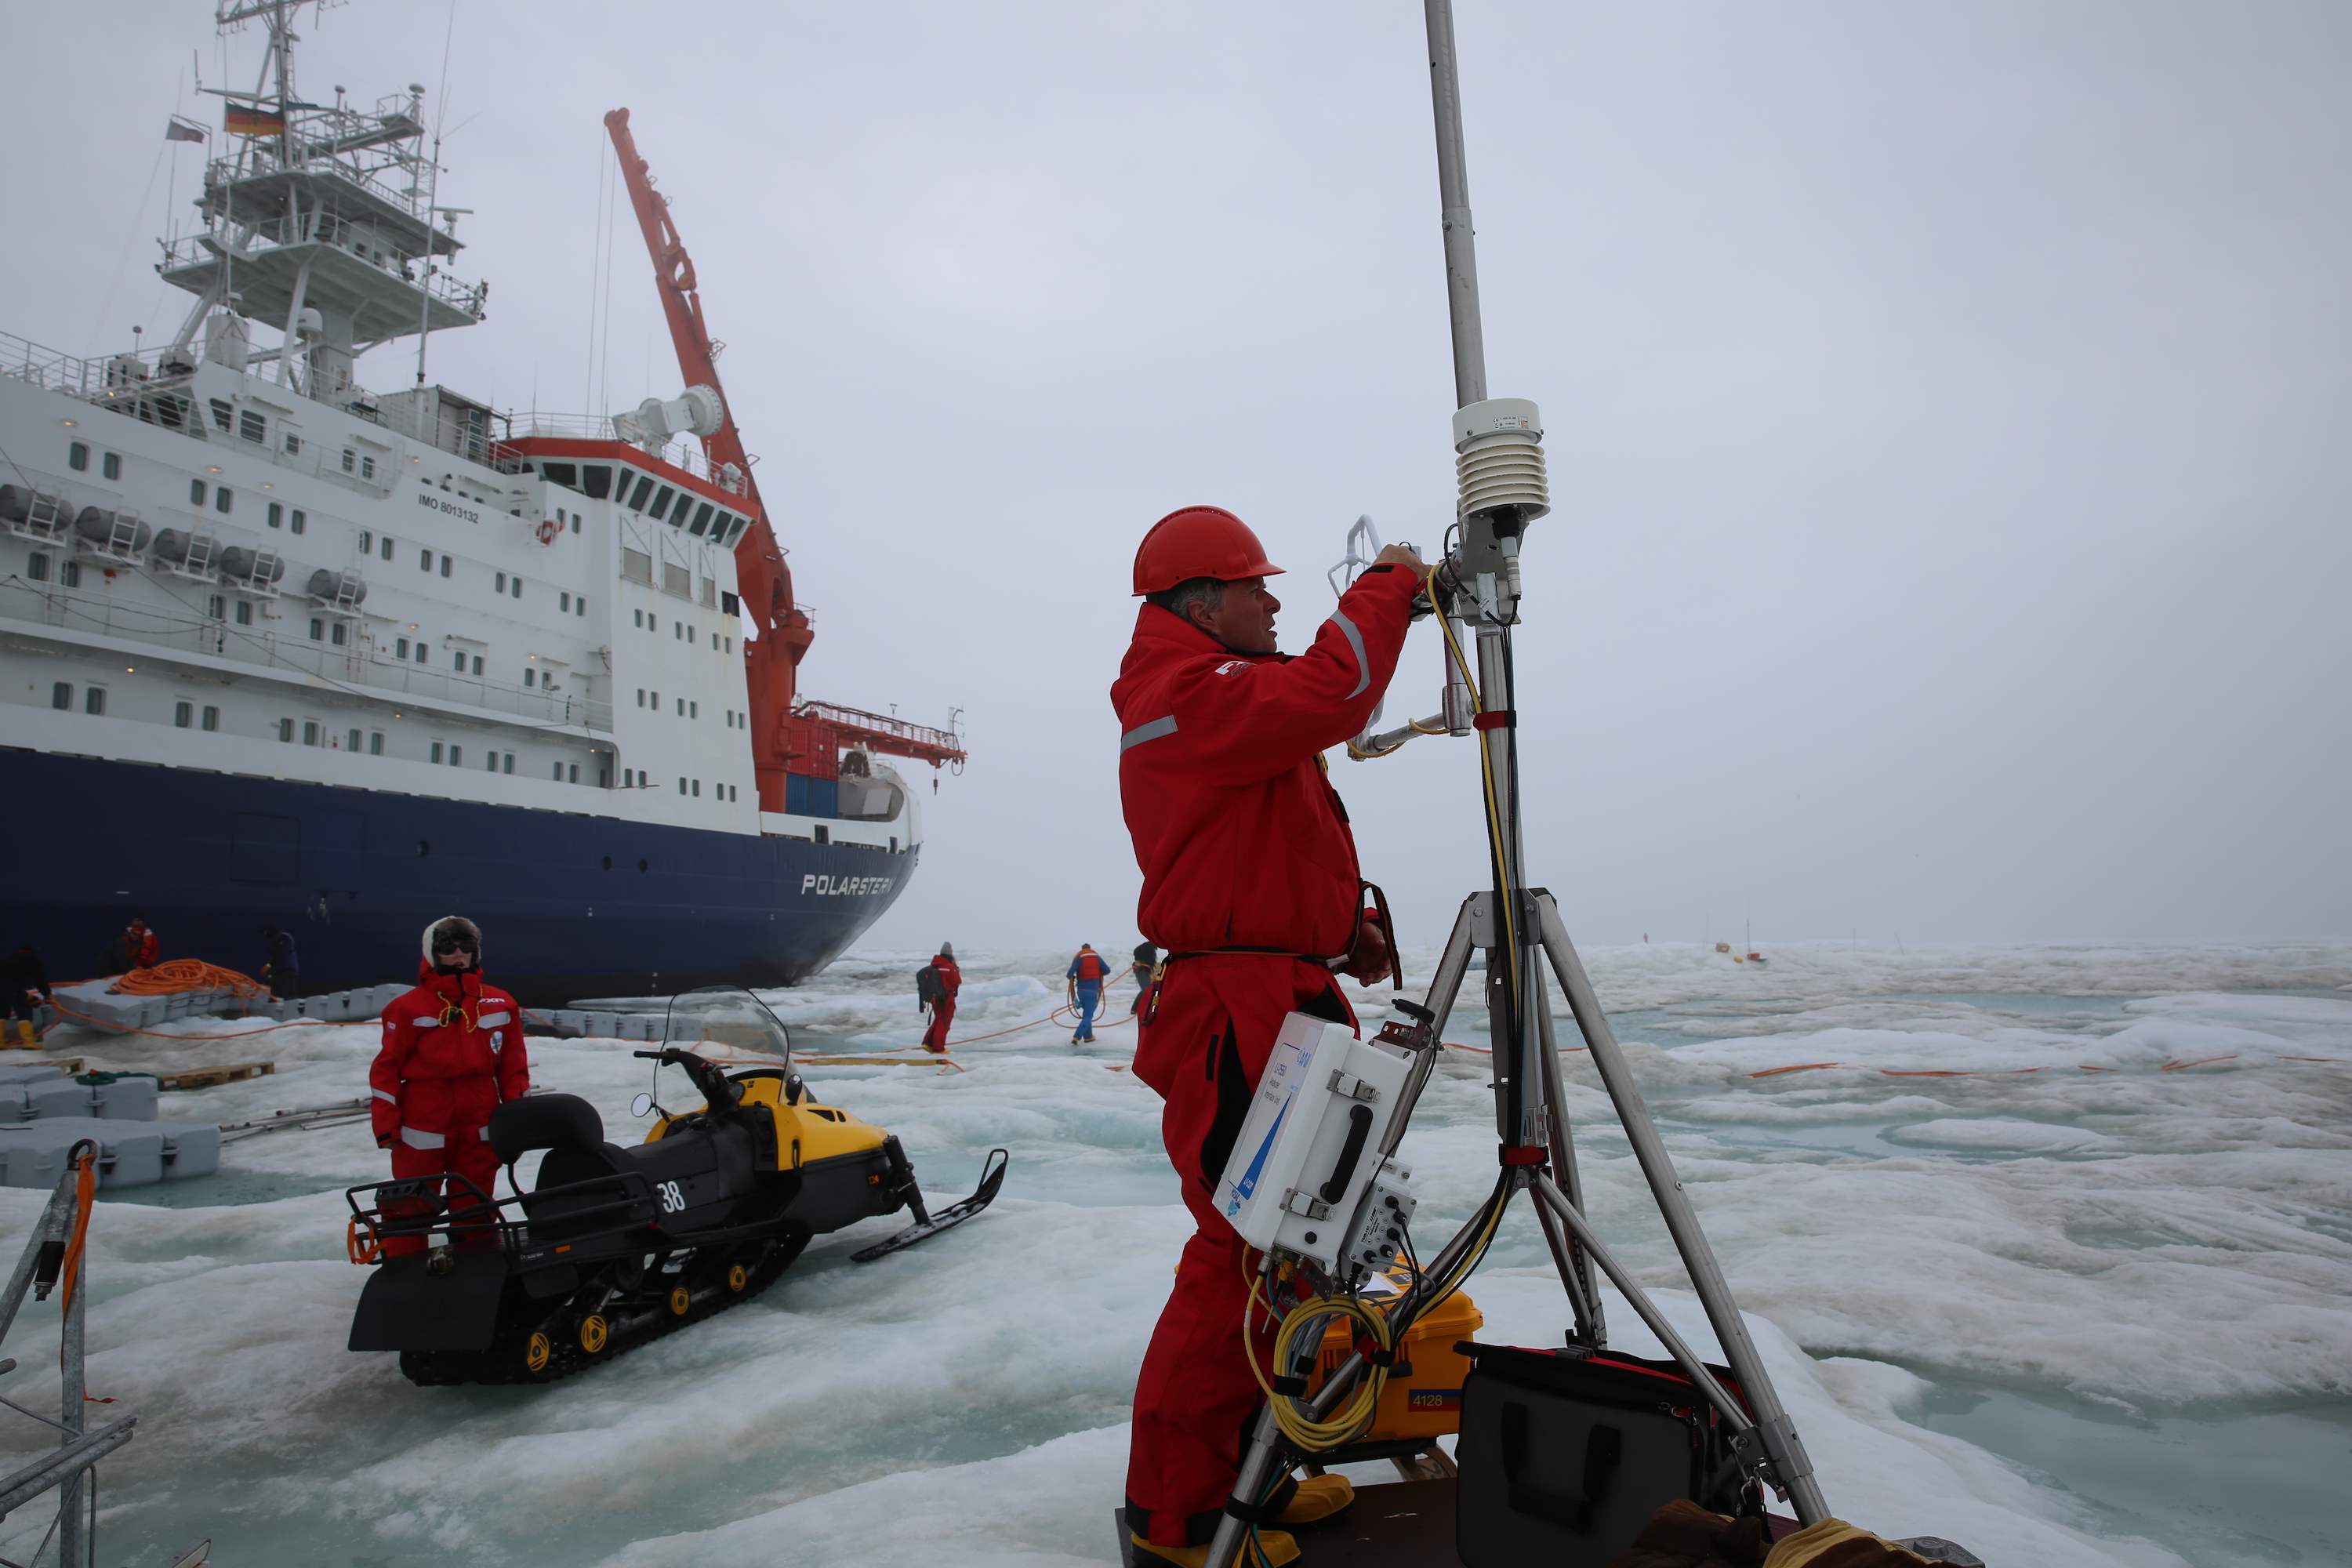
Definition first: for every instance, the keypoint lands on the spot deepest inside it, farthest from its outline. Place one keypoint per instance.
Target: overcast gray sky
(1946, 404)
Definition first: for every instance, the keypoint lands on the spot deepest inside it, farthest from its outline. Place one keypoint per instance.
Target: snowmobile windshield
(722, 1021)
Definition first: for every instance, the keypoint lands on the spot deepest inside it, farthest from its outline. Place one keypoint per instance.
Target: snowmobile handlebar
(718, 1093)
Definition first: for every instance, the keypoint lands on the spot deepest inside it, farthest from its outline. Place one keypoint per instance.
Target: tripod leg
(1575, 1267)
(1444, 987)
(1779, 1435)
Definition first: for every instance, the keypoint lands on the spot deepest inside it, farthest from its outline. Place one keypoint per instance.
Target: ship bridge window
(277, 519)
(597, 480)
(702, 520)
(637, 499)
(564, 474)
(297, 522)
(221, 498)
(661, 505)
(61, 697)
(293, 443)
(221, 411)
(78, 456)
(110, 465)
(251, 426)
(196, 492)
(36, 567)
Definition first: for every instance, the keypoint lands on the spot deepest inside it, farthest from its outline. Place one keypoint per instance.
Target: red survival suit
(453, 1052)
(1244, 845)
(934, 1039)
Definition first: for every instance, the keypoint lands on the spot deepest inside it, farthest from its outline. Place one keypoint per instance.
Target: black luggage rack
(471, 1213)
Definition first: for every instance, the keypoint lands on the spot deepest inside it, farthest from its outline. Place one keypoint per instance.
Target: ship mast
(782, 633)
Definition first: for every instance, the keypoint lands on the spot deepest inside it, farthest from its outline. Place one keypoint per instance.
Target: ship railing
(145, 384)
(204, 245)
(131, 369)
(191, 631)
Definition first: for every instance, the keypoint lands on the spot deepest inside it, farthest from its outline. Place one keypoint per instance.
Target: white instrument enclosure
(1310, 1143)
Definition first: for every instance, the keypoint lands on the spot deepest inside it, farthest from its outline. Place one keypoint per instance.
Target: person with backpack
(1147, 959)
(1086, 975)
(936, 985)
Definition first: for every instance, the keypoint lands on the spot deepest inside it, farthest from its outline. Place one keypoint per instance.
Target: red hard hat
(1199, 541)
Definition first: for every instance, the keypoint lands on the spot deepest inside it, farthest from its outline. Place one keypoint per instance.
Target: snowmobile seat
(568, 1128)
(544, 1121)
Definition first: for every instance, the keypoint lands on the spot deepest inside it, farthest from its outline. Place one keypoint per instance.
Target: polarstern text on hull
(847, 887)
(400, 645)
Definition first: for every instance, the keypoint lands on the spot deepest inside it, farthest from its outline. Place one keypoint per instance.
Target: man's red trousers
(934, 1039)
(1204, 1048)
(469, 1155)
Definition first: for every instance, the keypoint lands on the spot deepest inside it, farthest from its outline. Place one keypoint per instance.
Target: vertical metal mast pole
(1453, 199)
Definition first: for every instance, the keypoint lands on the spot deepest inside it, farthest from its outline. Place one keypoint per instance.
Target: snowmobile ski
(926, 1226)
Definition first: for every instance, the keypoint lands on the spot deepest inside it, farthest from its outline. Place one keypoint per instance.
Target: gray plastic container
(31, 1072)
(189, 1150)
(128, 1100)
(130, 1153)
(59, 1097)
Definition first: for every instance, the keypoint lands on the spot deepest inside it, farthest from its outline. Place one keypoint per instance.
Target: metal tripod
(1476, 588)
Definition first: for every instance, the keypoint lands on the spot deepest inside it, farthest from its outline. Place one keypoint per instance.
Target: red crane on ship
(785, 731)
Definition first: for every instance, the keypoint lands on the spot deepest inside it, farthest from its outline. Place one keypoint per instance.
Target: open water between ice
(2049, 1250)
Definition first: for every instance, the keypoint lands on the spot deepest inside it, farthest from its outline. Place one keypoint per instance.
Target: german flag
(248, 119)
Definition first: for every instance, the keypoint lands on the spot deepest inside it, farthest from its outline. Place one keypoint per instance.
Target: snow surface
(2133, 1206)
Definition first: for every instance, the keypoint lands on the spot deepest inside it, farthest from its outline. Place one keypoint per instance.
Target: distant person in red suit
(453, 1053)
(937, 984)
(136, 948)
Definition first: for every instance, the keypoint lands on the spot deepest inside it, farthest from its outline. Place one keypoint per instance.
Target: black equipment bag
(927, 988)
(1564, 1454)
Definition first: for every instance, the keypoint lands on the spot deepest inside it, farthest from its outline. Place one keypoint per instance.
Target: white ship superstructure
(239, 561)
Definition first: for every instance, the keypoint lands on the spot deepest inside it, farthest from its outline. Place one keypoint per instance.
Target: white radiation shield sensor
(1310, 1143)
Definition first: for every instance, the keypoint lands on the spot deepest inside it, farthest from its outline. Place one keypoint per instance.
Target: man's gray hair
(1179, 601)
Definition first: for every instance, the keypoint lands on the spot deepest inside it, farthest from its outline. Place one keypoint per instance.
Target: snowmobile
(613, 1246)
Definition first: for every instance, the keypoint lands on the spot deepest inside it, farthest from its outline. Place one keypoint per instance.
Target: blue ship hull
(570, 906)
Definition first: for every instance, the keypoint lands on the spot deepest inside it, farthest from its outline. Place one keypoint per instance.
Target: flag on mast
(179, 130)
(252, 120)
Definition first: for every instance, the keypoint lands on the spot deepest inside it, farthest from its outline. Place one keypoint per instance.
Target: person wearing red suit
(1250, 883)
(453, 1053)
(950, 979)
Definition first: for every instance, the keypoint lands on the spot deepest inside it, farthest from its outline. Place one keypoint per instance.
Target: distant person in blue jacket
(1086, 975)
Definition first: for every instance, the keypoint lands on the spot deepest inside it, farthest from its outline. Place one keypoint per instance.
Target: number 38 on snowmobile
(612, 1246)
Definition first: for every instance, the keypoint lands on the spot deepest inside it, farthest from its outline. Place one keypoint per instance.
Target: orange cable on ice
(176, 975)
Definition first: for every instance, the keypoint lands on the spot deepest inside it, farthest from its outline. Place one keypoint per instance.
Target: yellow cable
(1304, 1432)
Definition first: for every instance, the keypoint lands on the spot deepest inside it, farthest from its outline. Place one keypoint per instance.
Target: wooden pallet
(210, 1078)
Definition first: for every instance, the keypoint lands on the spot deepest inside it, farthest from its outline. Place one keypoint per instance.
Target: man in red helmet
(1250, 882)
(453, 1053)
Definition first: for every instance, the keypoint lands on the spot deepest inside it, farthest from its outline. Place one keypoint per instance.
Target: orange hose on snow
(188, 975)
